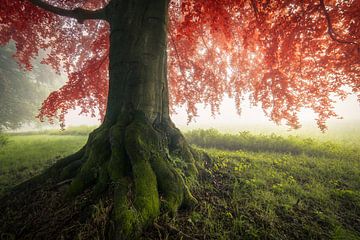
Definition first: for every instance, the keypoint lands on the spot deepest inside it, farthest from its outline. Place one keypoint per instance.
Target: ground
(253, 187)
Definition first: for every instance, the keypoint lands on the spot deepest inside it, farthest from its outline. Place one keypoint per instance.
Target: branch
(78, 13)
(331, 31)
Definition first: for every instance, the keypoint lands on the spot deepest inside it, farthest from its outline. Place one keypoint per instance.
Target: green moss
(103, 181)
(130, 226)
(97, 153)
(179, 148)
(138, 145)
(118, 166)
(71, 170)
(144, 142)
(127, 221)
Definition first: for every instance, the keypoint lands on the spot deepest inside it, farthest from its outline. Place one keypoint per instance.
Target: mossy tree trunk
(133, 150)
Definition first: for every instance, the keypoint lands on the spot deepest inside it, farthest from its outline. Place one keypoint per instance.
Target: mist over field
(253, 119)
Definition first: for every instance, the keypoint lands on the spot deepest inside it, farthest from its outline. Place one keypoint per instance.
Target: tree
(285, 54)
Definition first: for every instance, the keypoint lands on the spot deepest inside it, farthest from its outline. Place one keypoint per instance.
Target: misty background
(22, 92)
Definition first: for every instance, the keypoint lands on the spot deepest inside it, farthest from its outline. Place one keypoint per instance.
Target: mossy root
(133, 159)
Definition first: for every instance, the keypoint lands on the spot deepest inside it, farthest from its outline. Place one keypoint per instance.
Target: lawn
(255, 186)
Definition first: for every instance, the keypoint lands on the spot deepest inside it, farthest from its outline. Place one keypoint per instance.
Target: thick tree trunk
(133, 150)
(138, 59)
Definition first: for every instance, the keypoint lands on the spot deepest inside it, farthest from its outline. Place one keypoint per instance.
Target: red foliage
(284, 55)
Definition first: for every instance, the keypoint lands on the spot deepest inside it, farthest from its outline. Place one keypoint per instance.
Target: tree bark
(138, 40)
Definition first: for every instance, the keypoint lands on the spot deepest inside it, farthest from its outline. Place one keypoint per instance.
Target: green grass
(282, 196)
(257, 187)
(73, 131)
(278, 187)
(25, 156)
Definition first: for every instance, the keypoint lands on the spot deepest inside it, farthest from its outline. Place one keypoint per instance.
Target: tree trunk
(138, 59)
(134, 151)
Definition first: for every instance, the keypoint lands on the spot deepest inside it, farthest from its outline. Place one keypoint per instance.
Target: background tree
(286, 55)
(22, 92)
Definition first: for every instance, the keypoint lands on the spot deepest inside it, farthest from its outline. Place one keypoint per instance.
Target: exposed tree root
(137, 161)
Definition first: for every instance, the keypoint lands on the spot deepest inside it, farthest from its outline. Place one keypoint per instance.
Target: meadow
(253, 186)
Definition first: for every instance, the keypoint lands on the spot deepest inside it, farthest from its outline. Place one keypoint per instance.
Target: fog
(251, 118)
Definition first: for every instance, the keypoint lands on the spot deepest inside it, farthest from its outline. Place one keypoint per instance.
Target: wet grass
(256, 187)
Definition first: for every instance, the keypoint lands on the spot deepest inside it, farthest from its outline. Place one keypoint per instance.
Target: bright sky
(229, 119)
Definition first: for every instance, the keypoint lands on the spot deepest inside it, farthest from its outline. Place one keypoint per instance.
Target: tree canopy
(283, 55)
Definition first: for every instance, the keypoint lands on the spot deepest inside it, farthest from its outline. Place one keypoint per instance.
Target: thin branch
(334, 36)
(78, 13)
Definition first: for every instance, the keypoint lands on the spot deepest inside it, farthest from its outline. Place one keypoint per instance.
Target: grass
(73, 131)
(256, 187)
(280, 196)
(272, 143)
(25, 156)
